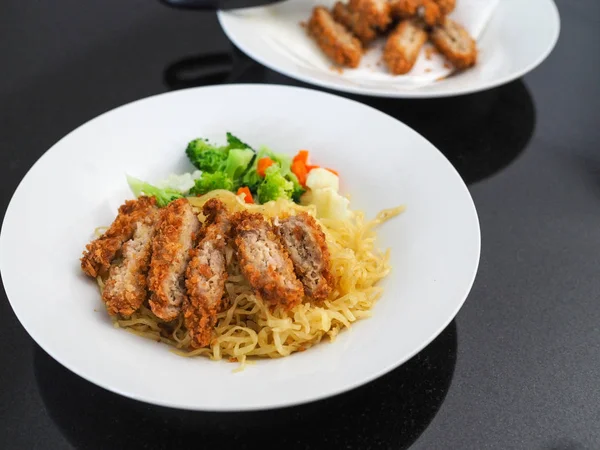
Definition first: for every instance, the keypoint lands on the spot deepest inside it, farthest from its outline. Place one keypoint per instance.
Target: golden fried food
(264, 262)
(99, 253)
(446, 6)
(403, 46)
(455, 43)
(304, 241)
(126, 288)
(334, 39)
(206, 275)
(427, 10)
(174, 238)
(354, 22)
(377, 13)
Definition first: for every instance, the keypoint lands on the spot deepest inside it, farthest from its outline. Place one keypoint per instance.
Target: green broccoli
(252, 179)
(236, 164)
(235, 142)
(211, 181)
(298, 189)
(163, 196)
(205, 156)
(274, 186)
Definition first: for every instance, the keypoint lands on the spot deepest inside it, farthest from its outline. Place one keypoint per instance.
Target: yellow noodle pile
(248, 328)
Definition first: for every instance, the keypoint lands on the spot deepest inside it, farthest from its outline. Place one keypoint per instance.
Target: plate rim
(98, 381)
(408, 94)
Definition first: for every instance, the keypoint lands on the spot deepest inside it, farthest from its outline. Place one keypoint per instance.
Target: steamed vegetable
(163, 196)
(246, 193)
(263, 165)
(210, 182)
(205, 156)
(235, 142)
(236, 164)
(274, 186)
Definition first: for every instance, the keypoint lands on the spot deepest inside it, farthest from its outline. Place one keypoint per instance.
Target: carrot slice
(299, 169)
(248, 195)
(263, 165)
(302, 156)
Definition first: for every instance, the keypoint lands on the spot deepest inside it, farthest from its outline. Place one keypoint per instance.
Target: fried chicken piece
(126, 287)
(334, 39)
(264, 262)
(174, 238)
(99, 253)
(377, 13)
(455, 43)
(403, 46)
(304, 240)
(446, 6)
(206, 275)
(428, 10)
(354, 22)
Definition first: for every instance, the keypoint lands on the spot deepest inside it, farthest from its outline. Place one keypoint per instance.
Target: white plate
(518, 37)
(79, 183)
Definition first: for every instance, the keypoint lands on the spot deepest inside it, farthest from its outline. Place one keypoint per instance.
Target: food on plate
(403, 46)
(267, 263)
(334, 39)
(345, 32)
(455, 43)
(355, 22)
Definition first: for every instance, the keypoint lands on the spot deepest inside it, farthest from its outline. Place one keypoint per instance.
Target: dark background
(519, 368)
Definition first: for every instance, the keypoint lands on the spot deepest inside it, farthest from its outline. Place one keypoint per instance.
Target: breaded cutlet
(174, 238)
(264, 262)
(403, 46)
(446, 6)
(304, 240)
(377, 13)
(334, 39)
(427, 10)
(455, 43)
(206, 275)
(354, 22)
(99, 253)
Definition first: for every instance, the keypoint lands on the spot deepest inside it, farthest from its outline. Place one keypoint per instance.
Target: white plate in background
(518, 37)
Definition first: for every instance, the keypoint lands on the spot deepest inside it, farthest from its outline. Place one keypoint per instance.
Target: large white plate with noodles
(79, 183)
(518, 36)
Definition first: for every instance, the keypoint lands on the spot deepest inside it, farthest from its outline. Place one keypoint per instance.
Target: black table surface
(519, 367)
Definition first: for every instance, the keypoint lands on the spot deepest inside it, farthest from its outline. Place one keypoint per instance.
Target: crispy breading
(377, 13)
(354, 22)
(173, 240)
(403, 46)
(264, 262)
(304, 240)
(446, 6)
(99, 253)
(334, 39)
(126, 287)
(427, 10)
(455, 43)
(206, 275)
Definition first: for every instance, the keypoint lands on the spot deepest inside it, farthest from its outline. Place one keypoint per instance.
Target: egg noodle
(247, 327)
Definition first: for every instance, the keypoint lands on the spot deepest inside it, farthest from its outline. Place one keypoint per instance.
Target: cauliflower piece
(320, 178)
(329, 204)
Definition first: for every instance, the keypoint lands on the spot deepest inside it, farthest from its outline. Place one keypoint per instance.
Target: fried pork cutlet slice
(264, 262)
(99, 253)
(403, 46)
(354, 22)
(334, 39)
(377, 13)
(126, 287)
(446, 6)
(206, 275)
(174, 238)
(304, 240)
(455, 43)
(428, 10)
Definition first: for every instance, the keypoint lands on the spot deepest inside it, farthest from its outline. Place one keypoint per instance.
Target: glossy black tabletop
(519, 367)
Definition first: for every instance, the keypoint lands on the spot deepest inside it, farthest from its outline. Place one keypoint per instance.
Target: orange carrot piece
(299, 169)
(263, 165)
(248, 197)
(302, 156)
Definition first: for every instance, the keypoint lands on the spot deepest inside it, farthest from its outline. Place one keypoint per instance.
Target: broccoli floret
(163, 196)
(236, 164)
(252, 179)
(274, 186)
(235, 142)
(298, 189)
(211, 181)
(205, 156)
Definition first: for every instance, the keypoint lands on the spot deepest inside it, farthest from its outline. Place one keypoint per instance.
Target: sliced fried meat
(174, 238)
(354, 22)
(206, 275)
(100, 253)
(264, 262)
(377, 13)
(403, 46)
(126, 287)
(455, 43)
